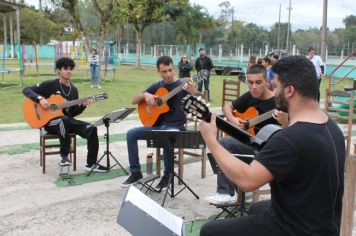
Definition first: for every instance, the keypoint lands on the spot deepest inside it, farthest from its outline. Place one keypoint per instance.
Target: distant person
(267, 63)
(67, 123)
(184, 67)
(94, 68)
(251, 61)
(318, 65)
(259, 61)
(203, 62)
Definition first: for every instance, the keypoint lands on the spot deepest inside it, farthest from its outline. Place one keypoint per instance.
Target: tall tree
(105, 9)
(144, 13)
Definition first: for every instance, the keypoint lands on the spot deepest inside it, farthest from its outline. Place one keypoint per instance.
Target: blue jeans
(206, 84)
(94, 71)
(225, 186)
(139, 133)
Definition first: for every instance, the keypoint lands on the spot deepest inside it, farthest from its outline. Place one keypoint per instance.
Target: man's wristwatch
(39, 98)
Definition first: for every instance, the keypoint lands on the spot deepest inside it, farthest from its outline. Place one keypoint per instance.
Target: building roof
(7, 6)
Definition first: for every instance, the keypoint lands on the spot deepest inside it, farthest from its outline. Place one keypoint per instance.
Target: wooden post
(348, 201)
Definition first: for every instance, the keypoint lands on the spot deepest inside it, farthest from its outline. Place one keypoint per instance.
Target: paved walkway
(31, 204)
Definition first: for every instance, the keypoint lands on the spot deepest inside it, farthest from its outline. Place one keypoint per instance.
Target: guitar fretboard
(265, 116)
(73, 103)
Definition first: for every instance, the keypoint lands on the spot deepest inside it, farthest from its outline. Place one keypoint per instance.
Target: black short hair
(267, 59)
(299, 72)
(257, 69)
(311, 49)
(165, 60)
(201, 49)
(65, 62)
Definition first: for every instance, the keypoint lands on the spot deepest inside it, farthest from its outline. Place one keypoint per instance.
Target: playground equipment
(332, 79)
(11, 66)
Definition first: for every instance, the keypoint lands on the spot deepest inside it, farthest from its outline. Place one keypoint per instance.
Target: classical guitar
(149, 114)
(195, 106)
(37, 117)
(252, 118)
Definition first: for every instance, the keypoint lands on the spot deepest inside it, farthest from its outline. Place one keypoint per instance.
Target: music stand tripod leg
(118, 163)
(171, 181)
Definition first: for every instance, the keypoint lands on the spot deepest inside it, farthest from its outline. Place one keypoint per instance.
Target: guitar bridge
(36, 111)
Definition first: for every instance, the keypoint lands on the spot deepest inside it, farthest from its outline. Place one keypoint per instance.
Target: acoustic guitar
(196, 107)
(149, 114)
(37, 117)
(252, 118)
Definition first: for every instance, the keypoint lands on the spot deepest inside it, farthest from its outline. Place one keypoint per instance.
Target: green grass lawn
(128, 81)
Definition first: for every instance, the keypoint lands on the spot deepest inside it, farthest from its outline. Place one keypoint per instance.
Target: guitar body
(250, 113)
(36, 116)
(149, 114)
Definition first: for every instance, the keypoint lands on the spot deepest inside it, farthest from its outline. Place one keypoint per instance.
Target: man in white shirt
(318, 65)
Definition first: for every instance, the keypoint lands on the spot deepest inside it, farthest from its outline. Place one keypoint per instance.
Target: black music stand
(175, 139)
(115, 116)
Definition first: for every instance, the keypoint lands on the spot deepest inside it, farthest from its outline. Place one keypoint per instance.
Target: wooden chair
(230, 91)
(349, 198)
(339, 105)
(53, 149)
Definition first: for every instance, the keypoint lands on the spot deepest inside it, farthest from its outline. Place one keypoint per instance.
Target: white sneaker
(91, 86)
(220, 198)
(99, 86)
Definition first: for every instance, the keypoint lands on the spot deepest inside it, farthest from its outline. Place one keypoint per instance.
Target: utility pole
(324, 30)
(279, 26)
(232, 24)
(288, 27)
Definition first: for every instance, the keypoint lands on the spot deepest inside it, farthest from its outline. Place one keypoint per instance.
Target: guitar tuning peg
(195, 118)
(189, 115)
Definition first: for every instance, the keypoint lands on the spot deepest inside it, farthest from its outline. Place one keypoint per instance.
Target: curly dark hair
(299, 72)
(65, 62)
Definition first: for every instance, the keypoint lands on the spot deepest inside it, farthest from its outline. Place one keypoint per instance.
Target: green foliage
(35, 26)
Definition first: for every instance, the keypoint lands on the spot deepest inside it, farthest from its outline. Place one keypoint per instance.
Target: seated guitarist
(67, 124)
(259, 97)
(303, 163)
(174, 119)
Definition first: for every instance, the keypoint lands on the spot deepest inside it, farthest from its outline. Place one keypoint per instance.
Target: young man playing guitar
(263, 100)
(174, 119)
(303, 163)
(67, 124)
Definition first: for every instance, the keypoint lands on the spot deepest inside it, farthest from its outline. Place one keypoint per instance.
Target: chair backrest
(339, 105)
(230, 91)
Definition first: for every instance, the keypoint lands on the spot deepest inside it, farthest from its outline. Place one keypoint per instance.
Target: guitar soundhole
(53, 107)
(159, 102)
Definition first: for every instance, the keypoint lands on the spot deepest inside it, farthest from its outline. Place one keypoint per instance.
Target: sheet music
(152, 208)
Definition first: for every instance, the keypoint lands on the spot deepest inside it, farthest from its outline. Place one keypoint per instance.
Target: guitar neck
(73, 103)
(175, 90)
(238, 133)
(265, 116)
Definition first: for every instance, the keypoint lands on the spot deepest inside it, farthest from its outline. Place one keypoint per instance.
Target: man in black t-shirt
(203, 62)
(67, 124)
(259, 98)
(303, 163)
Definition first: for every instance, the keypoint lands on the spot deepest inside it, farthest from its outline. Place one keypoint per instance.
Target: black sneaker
(132, 179)
(97, 168)
(64, 161)
(162, 185)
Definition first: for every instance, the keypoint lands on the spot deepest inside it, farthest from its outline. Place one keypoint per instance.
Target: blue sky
(304, 14)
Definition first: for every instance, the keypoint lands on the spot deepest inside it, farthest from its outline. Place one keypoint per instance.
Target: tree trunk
(138, 47)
